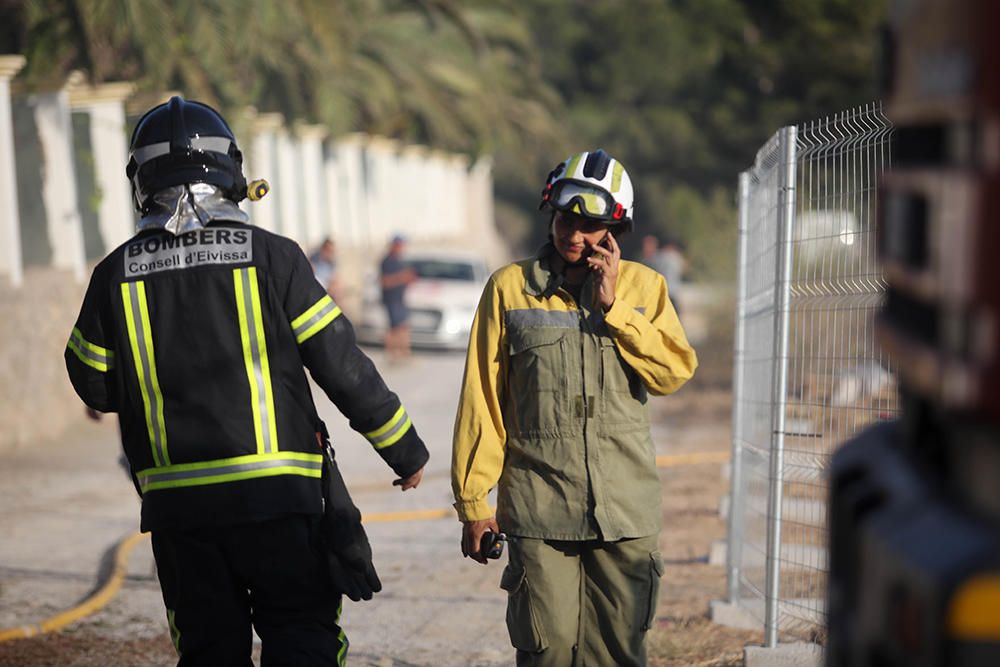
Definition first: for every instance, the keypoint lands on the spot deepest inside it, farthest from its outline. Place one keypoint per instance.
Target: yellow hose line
(415, 515)
(100, 598)
(694, 458)
(114, 583)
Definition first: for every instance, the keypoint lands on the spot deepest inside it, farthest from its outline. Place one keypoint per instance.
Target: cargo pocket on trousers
(522, 622)
(655, 573)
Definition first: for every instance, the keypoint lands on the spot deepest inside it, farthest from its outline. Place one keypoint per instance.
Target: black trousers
(218, 581)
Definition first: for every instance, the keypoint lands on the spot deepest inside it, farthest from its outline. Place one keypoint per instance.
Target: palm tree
(461, 76)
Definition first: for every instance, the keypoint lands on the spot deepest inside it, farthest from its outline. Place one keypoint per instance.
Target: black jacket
(198, 342)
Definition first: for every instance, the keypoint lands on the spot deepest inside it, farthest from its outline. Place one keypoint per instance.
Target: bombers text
(165, 252)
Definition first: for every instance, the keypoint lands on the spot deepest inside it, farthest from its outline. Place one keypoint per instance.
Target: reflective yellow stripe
(102, 351)
(320, 314)
(248, 357)
(571, 167)
(391, 440)
(313, 309)
(265, 364)
(388, 425)
(154, 377)
(95, 356)
(175, 633)
(390, 432)
(141, 341)
(322, 322)
(255, 358)
(83, 356)
(616, 177)
(234, 469)
(342, 637)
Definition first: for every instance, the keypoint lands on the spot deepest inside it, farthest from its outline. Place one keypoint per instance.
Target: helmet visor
(586, 199)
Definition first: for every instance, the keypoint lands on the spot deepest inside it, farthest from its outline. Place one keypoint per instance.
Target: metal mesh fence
(808, 372)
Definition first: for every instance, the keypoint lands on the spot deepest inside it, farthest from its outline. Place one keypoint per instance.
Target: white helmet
(592, 184)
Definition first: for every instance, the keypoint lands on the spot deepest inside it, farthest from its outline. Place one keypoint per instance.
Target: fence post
(734, 550)
(786, 224)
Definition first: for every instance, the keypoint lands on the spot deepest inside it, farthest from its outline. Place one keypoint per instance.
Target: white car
(442, 301)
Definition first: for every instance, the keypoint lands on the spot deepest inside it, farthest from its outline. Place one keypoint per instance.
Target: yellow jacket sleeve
(480, 438)
(654, 343)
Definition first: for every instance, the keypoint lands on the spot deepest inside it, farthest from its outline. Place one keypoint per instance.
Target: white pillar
(10, 222)
(458, 187)
(383, 207)
(289, 186)
(438, 187)
(481, 214)
(63, 223)
(414, 202)
(350, 162)
(262, 163)
(105, 104)
(334, 200)
(313, 184)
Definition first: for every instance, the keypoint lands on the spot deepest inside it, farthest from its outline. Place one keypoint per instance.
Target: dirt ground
(684, 634)
(695, 419)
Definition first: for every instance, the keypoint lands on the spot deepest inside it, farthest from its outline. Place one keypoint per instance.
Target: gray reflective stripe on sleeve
(308, 327)
(391, 431)
(258, 370)
(391, 436)
(230, 470)
(641, 309)
(91, 354)
(539, 317)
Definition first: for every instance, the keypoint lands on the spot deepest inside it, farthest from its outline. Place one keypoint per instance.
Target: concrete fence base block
(783, 655)
(750, 613)
(733, 616)
(717, 553)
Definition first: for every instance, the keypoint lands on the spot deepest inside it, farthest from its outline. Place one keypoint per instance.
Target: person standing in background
(324, 263)
(667, 260)
(394, 277)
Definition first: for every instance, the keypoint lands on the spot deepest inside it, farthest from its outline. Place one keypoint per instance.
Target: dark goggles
(583, 198)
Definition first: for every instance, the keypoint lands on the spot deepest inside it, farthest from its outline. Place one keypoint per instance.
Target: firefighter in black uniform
(196, 332)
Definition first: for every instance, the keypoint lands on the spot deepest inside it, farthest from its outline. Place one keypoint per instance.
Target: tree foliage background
(682, 91)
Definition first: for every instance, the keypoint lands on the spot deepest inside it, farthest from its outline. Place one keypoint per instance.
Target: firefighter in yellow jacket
(564, 351)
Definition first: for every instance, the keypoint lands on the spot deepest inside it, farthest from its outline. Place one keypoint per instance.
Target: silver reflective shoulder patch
(166, 252)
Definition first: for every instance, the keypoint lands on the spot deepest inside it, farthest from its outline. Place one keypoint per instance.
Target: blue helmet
(182, 142)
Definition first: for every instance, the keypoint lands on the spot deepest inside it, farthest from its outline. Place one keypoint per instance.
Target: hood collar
(185, 208)
(543, 277)
(541, 280)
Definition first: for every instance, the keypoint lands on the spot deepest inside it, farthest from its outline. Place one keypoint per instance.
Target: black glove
(345, 543)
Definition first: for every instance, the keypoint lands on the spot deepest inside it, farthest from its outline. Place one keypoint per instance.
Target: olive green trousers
(581, 604)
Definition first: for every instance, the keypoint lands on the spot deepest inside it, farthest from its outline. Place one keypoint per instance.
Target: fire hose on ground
(113, 582)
